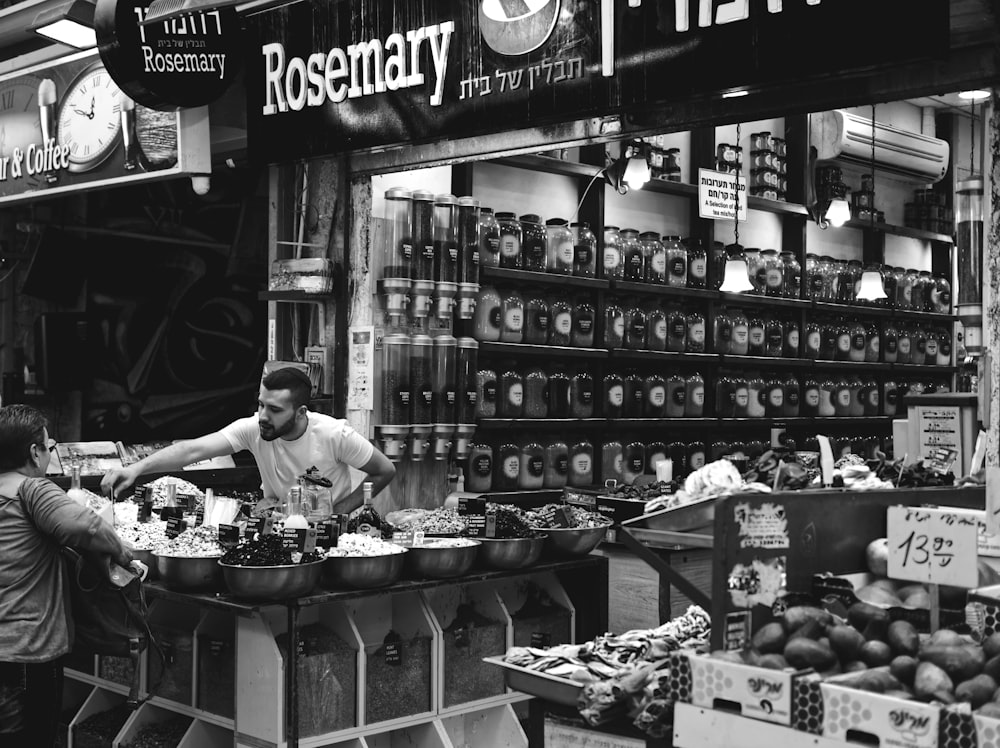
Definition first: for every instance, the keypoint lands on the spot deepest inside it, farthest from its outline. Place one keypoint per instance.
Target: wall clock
(90, 121)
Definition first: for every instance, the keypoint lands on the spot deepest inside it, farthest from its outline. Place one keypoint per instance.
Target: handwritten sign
(474, 513)
(229, 535)
(175, 526)
(261, 525)
(937, 546)
(717, 195)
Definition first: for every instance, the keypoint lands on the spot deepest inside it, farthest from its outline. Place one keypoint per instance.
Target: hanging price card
(937, 546)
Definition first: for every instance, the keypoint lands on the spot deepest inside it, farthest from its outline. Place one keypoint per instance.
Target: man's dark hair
(20, 427)
(294, 380)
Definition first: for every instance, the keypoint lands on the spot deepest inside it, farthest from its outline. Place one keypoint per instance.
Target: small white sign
(935, 546)
(716, 192)
(361, 368)
(940, 437)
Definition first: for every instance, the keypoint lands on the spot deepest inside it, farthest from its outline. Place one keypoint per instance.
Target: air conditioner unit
(847, 139)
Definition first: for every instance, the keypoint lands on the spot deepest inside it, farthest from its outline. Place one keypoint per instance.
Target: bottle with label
(445, 239)
(369, 520)
(444, 380)
(395, 379)
(582, 334)
(556, 464)
(613, 461)
(792, 397)
(613, 265)
(774, 273)
(536, 320)
(480, 468)
(813, 340)
(870, 397)
(507, 465)
(903, 344)
(635, 327)
(828, 340)
(756, 396)
(675, 394)
(581, 463)
(486, 393)
(844, 342)
(633, 461)
(489, 238)
(723, 333)
(809, 405)
(944, 347)
(774, 337)
(756, 336)
(694, 396)
(827, 398)
(890, 396)
(775, 405)
(918, 344)
(931, 344)
(634, 396)
(560, 321)
(511, 396)
(859, 342)
(399, 247)
(725, 396)
(559, 247)
(75, 491)
(486, 321)
(295, 518)
(676, 330)
(656, 395)
(873, 342)
(584, 250)
(656, 329)
(695, 457)
(531, 473)
(422, 261)
(614, 395)
(790, 348)
(511, 317)
(890, 342)
(634, 263)
(739, 344)
(741, 396)
(677, 261)
(511, 236)
(534, 243)
(654, 257)
(536, 383)
(695, 341)
(856, 387)
(656, 452)
(697, 263)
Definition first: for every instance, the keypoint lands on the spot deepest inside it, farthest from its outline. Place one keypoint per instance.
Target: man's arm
(169, 458)
(380, 471)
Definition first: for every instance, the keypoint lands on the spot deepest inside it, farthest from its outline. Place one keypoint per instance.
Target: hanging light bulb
(871, 287)
(839, 212)
(637, 169)
(737, 273)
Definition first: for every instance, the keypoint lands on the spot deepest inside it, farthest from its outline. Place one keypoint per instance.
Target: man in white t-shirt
(286, 439)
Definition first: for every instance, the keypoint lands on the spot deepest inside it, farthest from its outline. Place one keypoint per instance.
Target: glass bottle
(927, 288)
(697, 263)
(723, 333)
(559, 393)
(635, 265)
(443, 380)
(635, 327)
(633, 461)
(614, 395)
(581, 395)
(675, 394)
(534, 243)
(844, 342)
(719, 258)
(399, 215)
(842, 398)
(757, 336)
(814, 340)
(944, 347)
(556, 463)
(793, 398)
(536, 383)
(489, 238)
(486, 321)
(904, 346)
(511, 236)
(531, 470)
(486, 393)
(941, 295)
(612, 461)
(466, 360)
(677, 261)
(931, 344)
(511, 316)
(581, 463)
(774, 337)
(634, 396)
(740, 341)
(507, 465)
(656, 329)
(857, 407)
(559, 247)
(657, 397)
(918, 344)
(830, 335)
(775, 405)
(890, 396)
(561, 321)
(584, 250)
(912, 291)
(536, 320)
(614, 324)
(614, 262)
(582, 335)
(695, 457)
(511, 399)
(870, 397)
(809, 402)
(755, 269)
(676, 330)
(827, 398)
(421, 378)
(446, 239)
(656, 451)
(889, 281)
(790, 346)
(695, 342)
(677, 452)
(654, 257)
(741, 396)
(890, 342)
(814, 277)
(694, 395)
(479, 475)
(774, 273)
(756, 396)
(725, 397)
(369, 520)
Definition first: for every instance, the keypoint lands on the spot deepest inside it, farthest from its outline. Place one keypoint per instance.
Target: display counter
(372, 665)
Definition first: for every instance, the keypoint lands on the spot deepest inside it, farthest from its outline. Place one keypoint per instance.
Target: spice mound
(144, 535)
(578, 518)
(439, 521)
(511, 522)
(198, 541)
(354, 544)
(266, 550)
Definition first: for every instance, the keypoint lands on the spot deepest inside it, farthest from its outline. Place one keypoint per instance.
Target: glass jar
(911, 288)
(695, 458)
(656, 392)
(792, 275)
(511, 398)
(581, 395)
(468, 240)
(829, 334)
(941, 295)
(531, 470)
(855, 270)
(633, 461)
(904, 344)
(582, 335)
(559, 247)
(697, 263)
(486, 321)
(581, 463)
(512, 317)
(873, 342)
(756, 396)
(613, 395)
(814, 277)
(889, 281)
(755, 269)
(556, 464)
(774, 337)
(466, 360)
(931, 344)
(774, 406)
(511, 237)
(634, 395)
(614, 260)
(584, 250)
(443, 380)
(870, 397)
(918, 344)
(422, 262)
(656, 329)
(827, 398)
(399, 248)
(756, 336)
(395, 380)
(774, 273)
(635, 327)
(677, 262)
(725, 396)
(694, 395)
(859, 342)
(534, 243)
(421, 378)
(561, 321)
(506, 465)
(634, 269)
(944, 347)
(489, 238)
(676, 330)
(446, 239)
(926, 293)
(612, 462)
(536, 383)
(695, 340)
(536, 320)
(890, 342)
(723, 332)
(842, 398)
(656, 452)
(809, 402)
(741, 396)
(792, 397)
(857, 397)
(719, 258)
(559, 393)
(614, 324)
(654, 257)
(675, 396)
(890, 396)
(790, 346)
(739, 343)
(813, 341)
(844, 342)
(677, 453)
(486, 393)
(479, 472)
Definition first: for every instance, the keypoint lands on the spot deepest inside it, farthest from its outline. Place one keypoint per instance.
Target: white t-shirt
(330, 444)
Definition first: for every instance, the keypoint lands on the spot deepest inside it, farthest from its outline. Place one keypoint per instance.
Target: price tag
(187, 501)
(418, 537)
(199, 517)
(474, 512)
(171, 511)
(229, 536)
(541, 639)
(175, 526)
(940, 460)
(145, 510)
(262, 525)
(393, 654)
(327, 534)
(936, 546)
(301, 539)
(561, 518)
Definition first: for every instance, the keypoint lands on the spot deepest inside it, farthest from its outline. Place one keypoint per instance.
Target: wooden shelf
(529, 349)
(532, 276)
(294, 296)
(738, 300)
(930, 369)
(860, 366)
(689, 359)
(549, 165)
(735, 360)
(776, 206)
(663, 187)
(833, 307)
(661, 289)
(540, 423)
(905, 231)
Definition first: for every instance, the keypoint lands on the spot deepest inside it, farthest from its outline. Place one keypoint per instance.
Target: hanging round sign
(187, 61)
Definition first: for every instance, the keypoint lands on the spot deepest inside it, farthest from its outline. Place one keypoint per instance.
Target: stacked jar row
(839, 339)
(528, 243)
(508, 316)
(771, 273)
(648, 257)
(828, 279)
(533, 392)
(522, 462)
(428, 380)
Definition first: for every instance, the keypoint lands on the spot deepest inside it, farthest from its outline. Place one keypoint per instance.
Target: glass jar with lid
(873, 342)
(634, 263)
(506, 465)
(560, 320)
(844, 342)
(912, 291)
(613, 257)
(904, 344)
(489, 238)
(510, 402)
(466, 366)
(870, 397)
(890, 342)
(536, 384)
(774, 406)
(944, 347)
(559, 384)
(725, 396)
(890, 397)
(829, 338)
(654, 257)
(395, 380)
(656, 395)
(859, 341)
(512, 316)
(531, 472)
(511, 236)
(695, 341)
(809, 401)
(774, 273)
(755, 269)
(468, 240)
(582, 335)
(756, 335)
(634, 395)
(740, 340)
(792, 394)
(842, 398)
(487, 388)
(830, 269)
(486, 321)
(614, 324)
(741, 395)
(677, 261)
(534, 241)
(612, 461)
(927, 286)
(918, 344)
(584, 250)
(756, 396)
(813, 340)
(421, 378)
(559, 247)
(581, 395)
(790, 346)
(774, 337)
(723, 332)
(941, 295)
(479, 474)
(694, 395)
(446, 239)
(792, 276)
(697, 262)
(635, 327)
(695, 457)
(857, 397)
(399, 247)
(536, 319)
(676, 329)
(444, 380)
(814, 277)
(422, 262)
(656, 328)
(633, 461)
(656, 452)
(613, 395)
(827, 397)
(675, 395)
(932, 342)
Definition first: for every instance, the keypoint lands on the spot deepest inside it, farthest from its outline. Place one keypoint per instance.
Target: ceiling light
(975, 95)
(636, 172)
(839, 212)
(737, 273)
(71, 24)
(871, 288)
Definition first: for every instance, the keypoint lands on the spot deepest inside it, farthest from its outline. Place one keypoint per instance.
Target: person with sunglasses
(37, 518)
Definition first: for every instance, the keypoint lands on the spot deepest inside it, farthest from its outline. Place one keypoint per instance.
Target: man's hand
(115, 482)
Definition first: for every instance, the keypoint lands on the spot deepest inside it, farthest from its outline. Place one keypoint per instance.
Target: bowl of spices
(261, 569)
(190, 561)
(440, 558)
(570, 530)
(362, 562)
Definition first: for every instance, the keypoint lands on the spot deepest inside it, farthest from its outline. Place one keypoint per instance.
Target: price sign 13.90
(937, 546)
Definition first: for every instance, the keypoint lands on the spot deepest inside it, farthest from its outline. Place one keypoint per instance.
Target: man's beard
(270, 433)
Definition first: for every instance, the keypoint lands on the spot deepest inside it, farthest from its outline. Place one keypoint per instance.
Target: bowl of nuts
(190, 561)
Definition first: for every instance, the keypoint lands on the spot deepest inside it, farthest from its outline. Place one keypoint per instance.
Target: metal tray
(692, 516)
(546, 687)
(656, 535)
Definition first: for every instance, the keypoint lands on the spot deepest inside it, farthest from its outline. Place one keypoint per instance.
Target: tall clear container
(395, 380)
(399, 247)
(584, 250)
(533, 243)
(422, 263)
(489, 238)
(511, 236)
(466, 363)
(654, 257)
(446, 239)
(969, 246)
(614, 261)
(468, 240)
(421, 379)
(559, 251)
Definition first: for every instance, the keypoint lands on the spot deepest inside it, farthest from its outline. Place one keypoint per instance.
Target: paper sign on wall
(361, 368)
(936, 546)
(716, 192)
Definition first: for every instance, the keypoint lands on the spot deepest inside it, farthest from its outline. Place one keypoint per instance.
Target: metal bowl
(424, 561)
(272, 582)
(146, 556)
(574, 541)
(362, 572)
(190, 573)
(510, 553)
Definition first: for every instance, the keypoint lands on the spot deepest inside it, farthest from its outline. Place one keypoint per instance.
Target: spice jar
(468, 240)
(536, 383)
(809, 402)
(859, 342)
(479, 473)
(534, 243)
(486, 322)
(506, 465)
(931, 344)
(694, 396)
(790, 346)
(656, 329)
(675, 396)
(890, 338)
(443, 380)
(399, 248)
(613, 259)
(814, 277)
(792, 397)
(536, 320)
(695, 340)
(774, 337)
(613, 395)
(918, 344)
(395, 380)
(511, 317)
(581, 463)
(756, 396)
(654, 257)
(741, 396)
(844, 343)
(903, 344)
(531, 470)
(614, 324)
(757, 336)
(634, 396)
(582, 335)
(561, 321)
(739, 343)
(559, 247)
(657, 400)
(677, 453)
(581, 395)
(873, 342)
(774, 406)
(559, 393)
(725, 396)
(634, 263)
(829, 335)
(584, 250)
(941, 295)
(695, 458)
(489, 238)
(857, 398)
(446, 239)
(677, 262)
(723, 332)
(422, 262)
(421, 381)
(774, 273)
(676, 330)
(612, 462)
(511, 236)
(486, 393)
(870, 397)
(635, 327)
(466, 390)
(944, 347)
(633, 461)
(656, 452)
(927, 287)
(842, 398)
(890, 396)
(511, 399)
(827, 398)
(697, 263)
(912, 290)
(813, 341)
(556, 464)
(792, 276)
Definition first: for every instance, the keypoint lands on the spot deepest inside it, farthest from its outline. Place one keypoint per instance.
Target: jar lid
(611, 228)
(506, 216)
(396, 339)
(485, 209)
(470, 343)
(554, 221)
(398, 193)
(580, 224)
(673, 150)
(631, 231)
(444, 341)
(769, 252)
(445, 199)
(531, 218)
(423, 195)
(468, 201)
(421, 340)
(649, 235)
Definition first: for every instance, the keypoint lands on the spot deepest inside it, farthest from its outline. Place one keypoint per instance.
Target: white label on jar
(619, 463)
(844, 397)
(514, 319)
(619, 327)
(696, 332)
(697, 460)
(697, 268)
(581, 464)
(659, 263)
(564, 252)
(774, 278)
(776, 397)
(616, 395)
(812, 397)
(511, 467)
(793, 339)
(844, 343)
(660, 329)
(740, 335)
(813, 341)
(612, 258)
(564, 323)
(931, 348)
(657, 396)
(510, 246)
(515, 395)
(903, 344)
(742, 397)
(757, 336)
(698, 395)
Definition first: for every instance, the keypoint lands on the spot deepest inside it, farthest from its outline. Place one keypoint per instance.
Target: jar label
(491, 244)
(858, 341)
(471, 397)
(696, 395)
(426, 396)
(637, 396)
(725, 331)
(407, 250)
(844, 343)
(660, 329)
(638, 329)
(542, 320)
(511, 467)
(583, 254)
(514, 320)
(562, 464)
(873, 397)
(658, 263)
(483, 465)
(490, 392)
(792, 396)
(891, 344)
(697, 267)
(774, 278)
(619, 327)
(452, 252)
(741, 396)
(762, 397)
(678, 267)
(844, 397)
(428, 252)
(792, 339)
(585, 324)
(696, 332)
(510, 246)
(536, 467)
(904, 346)
(634, 262)
(757, 336)
(741, 334)
(585, 394)
(921, 346)
(931, 347)
(776, 397)
(612, 258)
(495, 317)
(515, 394)
(678, 329)
(636, 464)
(616, 395)
(813, 341)
(581, 464)
(564, 323)
(812, 397)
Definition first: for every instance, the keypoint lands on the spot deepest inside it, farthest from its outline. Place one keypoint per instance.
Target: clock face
(20, 123)
(90, 118)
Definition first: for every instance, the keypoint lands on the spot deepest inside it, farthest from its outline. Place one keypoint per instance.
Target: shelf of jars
(549, 165)
(662, 289)
(768, 205)
(541, 423)
(904, 231)
(865, 310)
(502, 274)
(500, 348)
